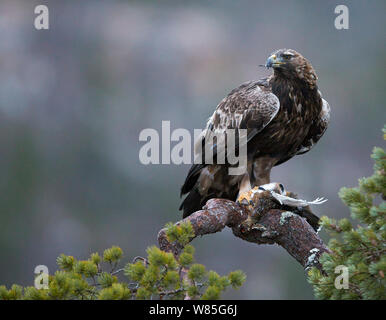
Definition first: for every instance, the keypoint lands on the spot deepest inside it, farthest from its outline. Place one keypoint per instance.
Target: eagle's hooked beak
(273, 61)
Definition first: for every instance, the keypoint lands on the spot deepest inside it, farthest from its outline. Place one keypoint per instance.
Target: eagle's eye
(287, 56)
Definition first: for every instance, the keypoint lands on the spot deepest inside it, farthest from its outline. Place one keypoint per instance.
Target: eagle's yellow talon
(246, 196)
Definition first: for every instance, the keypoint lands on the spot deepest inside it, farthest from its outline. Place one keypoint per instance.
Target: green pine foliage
(158, 276)
(362, 249)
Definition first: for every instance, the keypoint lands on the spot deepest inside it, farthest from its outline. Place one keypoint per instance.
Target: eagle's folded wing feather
(247, 107)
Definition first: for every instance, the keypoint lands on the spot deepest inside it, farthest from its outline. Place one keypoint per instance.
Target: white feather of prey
(279, 194)
(292, 202)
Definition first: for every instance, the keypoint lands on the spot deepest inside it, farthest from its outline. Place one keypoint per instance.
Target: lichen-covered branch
(261, 222)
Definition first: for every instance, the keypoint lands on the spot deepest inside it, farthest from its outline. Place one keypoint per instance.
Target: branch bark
(260, 224)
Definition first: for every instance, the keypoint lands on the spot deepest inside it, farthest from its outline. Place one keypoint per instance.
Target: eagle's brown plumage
(284, 115)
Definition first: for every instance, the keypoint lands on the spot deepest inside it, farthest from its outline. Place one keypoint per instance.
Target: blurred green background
(74, 98)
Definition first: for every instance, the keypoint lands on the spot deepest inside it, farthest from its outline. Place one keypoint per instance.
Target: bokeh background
(74, 98)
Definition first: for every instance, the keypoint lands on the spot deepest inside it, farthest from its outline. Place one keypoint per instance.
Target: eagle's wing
(249, 106)
(317, 130)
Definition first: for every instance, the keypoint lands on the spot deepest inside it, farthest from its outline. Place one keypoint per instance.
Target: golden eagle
(284, 114)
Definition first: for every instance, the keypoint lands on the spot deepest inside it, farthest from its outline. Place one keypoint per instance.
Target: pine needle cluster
(360, 249)
(158, 276)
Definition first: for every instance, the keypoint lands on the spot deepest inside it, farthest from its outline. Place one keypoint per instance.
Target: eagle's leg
(245, 184)
(244, 190)
(262, 170)
(259, 172)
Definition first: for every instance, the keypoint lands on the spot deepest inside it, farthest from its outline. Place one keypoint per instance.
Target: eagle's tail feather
(311, 218)
(195, 201)
(192, 203)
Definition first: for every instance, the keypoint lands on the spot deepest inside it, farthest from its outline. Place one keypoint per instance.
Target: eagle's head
(291, 64)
